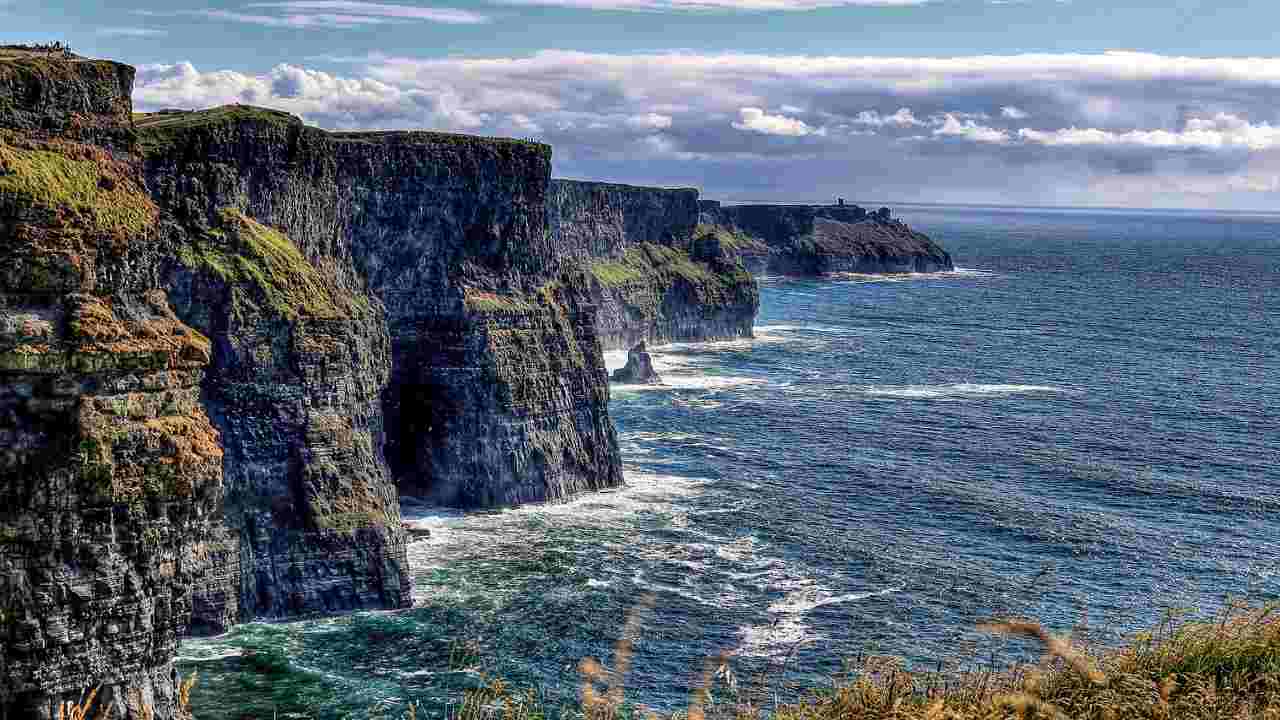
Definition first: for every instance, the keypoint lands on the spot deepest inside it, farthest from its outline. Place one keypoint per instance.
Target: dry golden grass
(1224, 669)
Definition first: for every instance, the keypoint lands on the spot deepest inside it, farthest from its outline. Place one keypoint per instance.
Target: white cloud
(128, 31)
(756, 120)
(714, 119)
(1220, 132)
(353, 8)
(969, 130)
(649, 121)
(335, 14)
(333, 101)
(902, 118)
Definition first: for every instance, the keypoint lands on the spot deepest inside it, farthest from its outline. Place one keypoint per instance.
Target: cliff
(817, 239)
(229, 341)
(654, 276)
(110, 468)
(495, 391)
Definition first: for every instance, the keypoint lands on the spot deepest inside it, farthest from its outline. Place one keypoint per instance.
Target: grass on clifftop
(1228, 667)
(253, 257)
(160, 131)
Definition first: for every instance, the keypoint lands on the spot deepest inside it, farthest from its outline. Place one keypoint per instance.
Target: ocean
(1078, 426)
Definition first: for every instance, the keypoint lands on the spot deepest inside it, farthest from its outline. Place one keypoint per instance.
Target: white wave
(204, 650)
(852, 277)
(956, 390)
(806, 599)
(775, 640)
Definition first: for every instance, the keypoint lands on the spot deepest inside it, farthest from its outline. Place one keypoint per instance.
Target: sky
(1009, 102)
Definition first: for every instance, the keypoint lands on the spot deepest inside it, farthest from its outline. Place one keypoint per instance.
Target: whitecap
(956, 390)
(775, 640)
(806, 599)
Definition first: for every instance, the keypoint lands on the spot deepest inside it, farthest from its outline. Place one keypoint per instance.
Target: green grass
(730, 238)
(84, 185)
(161, 131)
(652, 260)
(266, 265)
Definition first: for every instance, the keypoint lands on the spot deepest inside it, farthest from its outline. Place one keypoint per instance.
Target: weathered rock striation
(654, 277)
(110, 469)
(817, 239)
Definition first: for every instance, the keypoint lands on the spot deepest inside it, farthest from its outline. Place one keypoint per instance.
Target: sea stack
(639, 368)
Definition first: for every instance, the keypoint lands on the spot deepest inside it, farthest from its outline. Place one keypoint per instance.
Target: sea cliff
(111, 468)
(818, 239)
(654, 276)
(230, 342)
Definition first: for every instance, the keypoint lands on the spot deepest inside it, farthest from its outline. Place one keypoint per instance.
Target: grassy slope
(261, 260)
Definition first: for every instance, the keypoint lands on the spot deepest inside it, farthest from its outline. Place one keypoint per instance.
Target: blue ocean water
(1079, 426)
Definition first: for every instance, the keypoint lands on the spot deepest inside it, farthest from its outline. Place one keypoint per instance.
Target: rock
(639, 368)
(817, 239)
(651, 278)
(112, 469)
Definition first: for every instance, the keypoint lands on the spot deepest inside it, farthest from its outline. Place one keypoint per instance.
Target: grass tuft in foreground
(1228, 668)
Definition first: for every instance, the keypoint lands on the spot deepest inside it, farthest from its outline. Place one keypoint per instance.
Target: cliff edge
(818, 239)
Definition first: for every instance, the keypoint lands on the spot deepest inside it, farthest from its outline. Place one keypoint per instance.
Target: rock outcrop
(110, 468)
(817, 239)
(639, 368)
(653, 277)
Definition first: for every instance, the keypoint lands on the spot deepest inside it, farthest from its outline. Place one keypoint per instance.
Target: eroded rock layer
(110, 469)
(656, 275)
(817, 239)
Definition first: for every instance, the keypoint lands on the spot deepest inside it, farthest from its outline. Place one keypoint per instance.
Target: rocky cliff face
(654, 276)
(228, 341)
(110, 469)
(817, 239)
(301, 357)
(494, 387)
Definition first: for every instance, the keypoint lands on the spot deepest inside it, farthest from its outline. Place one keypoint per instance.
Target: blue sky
(1077, 102)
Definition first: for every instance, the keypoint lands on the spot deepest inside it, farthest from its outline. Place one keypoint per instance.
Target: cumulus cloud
(969, 130)
(1221, 132)
(1020, 128)
(902, 118)
(757, 120)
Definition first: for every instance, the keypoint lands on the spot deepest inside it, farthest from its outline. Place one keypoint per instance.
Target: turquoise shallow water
(1079, 426)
